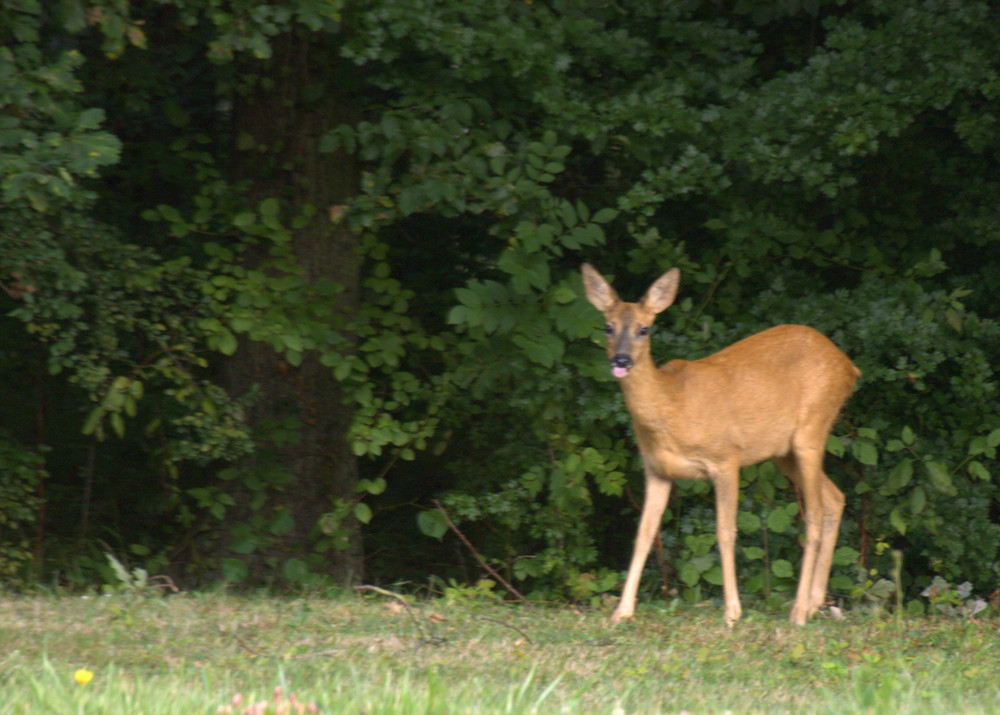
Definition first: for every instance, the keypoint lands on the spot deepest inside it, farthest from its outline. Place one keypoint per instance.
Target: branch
(425, 636)
(475, 553)
(506, 625)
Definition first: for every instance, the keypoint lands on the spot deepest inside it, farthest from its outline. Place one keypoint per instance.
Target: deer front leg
(657, 495)
(727, 488)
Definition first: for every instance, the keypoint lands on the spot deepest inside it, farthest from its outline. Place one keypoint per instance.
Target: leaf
(117, 423)
(907, 435)
(244, 219)
(169, 213)
(362, 512)
(690, 574)
(605, 215)
(835, 446)
(713, 575)
(89, 119)
(896, 519)
(568, 214)
(93, 420)
(778, 521)
(918, 500)
(748, 523)
(882, 589)
(954, 319)
(845, 556)
(282, 522)
(865, 452)
(432, 523)
(293, 342)
(899, 477)
(941, 478)
(234, 570)
(469, 298)
(371, 486)
(461, 315)
(782, 569)
(226, 343)
(244, 542)
(295, 570)
(977, 470)
(269, 208)
(977, 446)
(121, 573)
(546, 350)
(753, 553)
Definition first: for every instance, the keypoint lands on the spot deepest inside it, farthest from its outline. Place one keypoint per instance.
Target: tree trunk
(296, 97)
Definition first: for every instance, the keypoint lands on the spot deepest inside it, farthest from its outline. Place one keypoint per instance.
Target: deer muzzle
(620, 365)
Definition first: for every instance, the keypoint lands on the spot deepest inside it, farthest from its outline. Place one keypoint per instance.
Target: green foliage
(134, 582)
(785, 193)
(21, 470)
(819, 163)
(115, 318)
(482, 590)
(953, 600)
(49, 142)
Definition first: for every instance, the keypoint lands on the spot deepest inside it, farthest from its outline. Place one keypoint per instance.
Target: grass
(192, 654)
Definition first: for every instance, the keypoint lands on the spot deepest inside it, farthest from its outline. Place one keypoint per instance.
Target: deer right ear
(661, 294)
(599, 292)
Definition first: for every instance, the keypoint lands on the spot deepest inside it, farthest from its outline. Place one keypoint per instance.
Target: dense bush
(289, 269)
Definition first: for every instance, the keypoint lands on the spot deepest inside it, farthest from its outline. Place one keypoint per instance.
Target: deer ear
(661, 294)
(599, 292)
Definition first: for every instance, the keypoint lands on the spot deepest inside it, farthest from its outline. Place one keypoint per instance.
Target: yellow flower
(83, 676)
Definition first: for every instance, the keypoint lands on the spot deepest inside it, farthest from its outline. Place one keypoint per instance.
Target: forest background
(285, 284)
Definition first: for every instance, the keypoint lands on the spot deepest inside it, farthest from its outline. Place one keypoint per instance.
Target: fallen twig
(507, 625)
(298, 656)
(480, 559)
(425, 635)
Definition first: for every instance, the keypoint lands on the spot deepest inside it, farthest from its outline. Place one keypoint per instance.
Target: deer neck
(648, 392)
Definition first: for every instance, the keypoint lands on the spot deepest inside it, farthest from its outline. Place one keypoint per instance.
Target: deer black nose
(621, 360)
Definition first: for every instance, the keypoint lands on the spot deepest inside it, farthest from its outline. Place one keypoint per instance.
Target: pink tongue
(619, 372)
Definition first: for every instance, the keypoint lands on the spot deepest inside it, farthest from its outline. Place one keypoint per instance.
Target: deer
(774, 395)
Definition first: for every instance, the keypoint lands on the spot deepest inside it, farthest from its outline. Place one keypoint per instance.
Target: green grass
(192, 653)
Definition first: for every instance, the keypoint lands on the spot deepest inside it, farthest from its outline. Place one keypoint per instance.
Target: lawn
(219, 653)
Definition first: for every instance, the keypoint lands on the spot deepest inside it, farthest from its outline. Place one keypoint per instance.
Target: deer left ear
(661, 294)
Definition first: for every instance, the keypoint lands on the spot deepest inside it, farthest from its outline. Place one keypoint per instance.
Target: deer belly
(670, 465)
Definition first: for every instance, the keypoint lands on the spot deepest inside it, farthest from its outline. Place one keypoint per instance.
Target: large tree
(285, 105)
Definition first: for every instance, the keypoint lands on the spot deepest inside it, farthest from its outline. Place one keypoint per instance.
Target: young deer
(774, 395)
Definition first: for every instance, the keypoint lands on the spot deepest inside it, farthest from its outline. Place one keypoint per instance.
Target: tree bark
(295, 98)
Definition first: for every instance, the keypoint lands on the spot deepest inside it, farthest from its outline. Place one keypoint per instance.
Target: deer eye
(608, 330)
(643, 332)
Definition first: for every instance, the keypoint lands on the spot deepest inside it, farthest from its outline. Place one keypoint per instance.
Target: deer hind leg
(823, 506)
(657, 495)
(833, 509)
